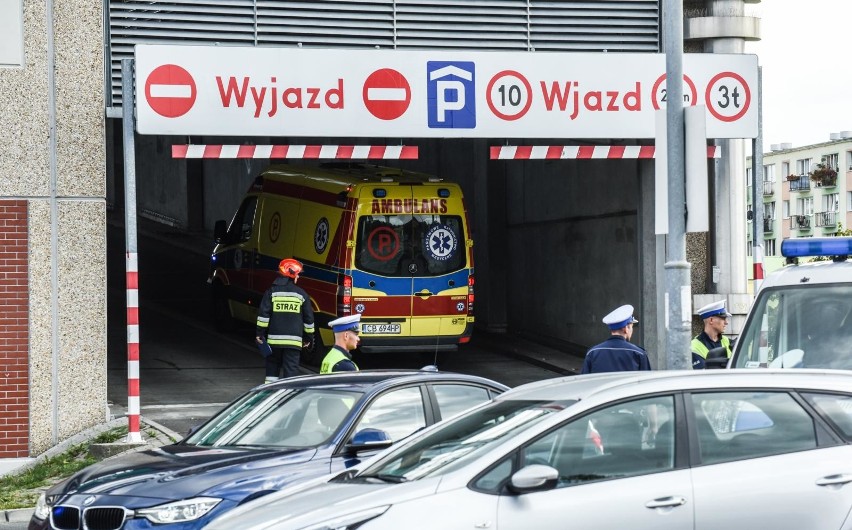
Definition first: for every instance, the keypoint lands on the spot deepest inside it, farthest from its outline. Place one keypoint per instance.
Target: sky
(807, 83)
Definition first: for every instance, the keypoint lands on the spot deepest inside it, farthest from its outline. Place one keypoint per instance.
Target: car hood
(183, 471)
(308, 503)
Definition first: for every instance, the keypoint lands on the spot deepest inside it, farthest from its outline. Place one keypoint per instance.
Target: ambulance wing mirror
(220, 230)
(716, 358)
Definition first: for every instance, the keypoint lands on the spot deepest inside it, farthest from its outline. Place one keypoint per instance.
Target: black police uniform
(284, 317)
(616, 354)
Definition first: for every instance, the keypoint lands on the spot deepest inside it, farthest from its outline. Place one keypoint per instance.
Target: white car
(641, 450)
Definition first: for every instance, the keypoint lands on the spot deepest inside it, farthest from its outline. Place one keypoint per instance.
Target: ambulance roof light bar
(817, 246)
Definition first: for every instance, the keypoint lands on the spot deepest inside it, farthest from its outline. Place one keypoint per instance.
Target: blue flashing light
(380, 193)
(443, 193)
(816, 246)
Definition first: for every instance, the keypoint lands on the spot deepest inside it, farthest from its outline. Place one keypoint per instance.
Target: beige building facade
(807, 192)
(52, 214)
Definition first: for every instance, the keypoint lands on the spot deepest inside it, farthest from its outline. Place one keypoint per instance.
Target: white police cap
(713, 309)
(349, 323)
(620, 317)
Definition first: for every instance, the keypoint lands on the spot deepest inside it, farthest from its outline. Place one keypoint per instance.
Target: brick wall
(14, 330)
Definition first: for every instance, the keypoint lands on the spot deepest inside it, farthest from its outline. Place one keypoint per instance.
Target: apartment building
(807, 192)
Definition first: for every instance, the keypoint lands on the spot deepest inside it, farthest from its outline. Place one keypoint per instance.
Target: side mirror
(717, 358)
(220, 230)
(535, 477)
(369, 440)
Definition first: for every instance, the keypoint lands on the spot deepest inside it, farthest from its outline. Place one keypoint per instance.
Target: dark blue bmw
(270, 437)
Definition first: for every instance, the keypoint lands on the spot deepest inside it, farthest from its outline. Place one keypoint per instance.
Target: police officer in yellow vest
(338, 359)
(715, 318)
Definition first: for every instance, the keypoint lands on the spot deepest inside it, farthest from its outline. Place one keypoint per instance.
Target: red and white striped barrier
(339, 152)
(132, 277)
(579, 152)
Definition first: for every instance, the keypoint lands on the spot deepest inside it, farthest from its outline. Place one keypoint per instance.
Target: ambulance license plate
(375, 329)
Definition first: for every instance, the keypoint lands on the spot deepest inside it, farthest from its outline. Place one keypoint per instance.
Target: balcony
(768, 188)
(826, 219)
(800, 222)
(767, 224)
(803, 183)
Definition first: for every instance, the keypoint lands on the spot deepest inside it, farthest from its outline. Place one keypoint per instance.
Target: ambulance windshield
(410, 245)
(799, 327)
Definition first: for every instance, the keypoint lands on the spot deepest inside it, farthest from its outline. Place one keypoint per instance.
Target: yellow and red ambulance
(392, 245)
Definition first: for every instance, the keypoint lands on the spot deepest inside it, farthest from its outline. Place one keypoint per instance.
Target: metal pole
(678, 288)
(757, 190)
(131, 261)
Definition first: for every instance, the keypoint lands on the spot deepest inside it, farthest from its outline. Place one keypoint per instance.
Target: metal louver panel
(520, 25)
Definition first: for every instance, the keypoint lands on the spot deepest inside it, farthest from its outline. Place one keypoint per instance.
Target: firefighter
(346, 339)
(285, 321)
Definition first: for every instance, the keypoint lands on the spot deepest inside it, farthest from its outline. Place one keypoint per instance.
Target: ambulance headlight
(180, 511)
(816, 246)
(349, 521)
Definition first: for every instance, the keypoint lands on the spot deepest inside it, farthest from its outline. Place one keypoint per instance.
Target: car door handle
(425, 293)
(835, 480)
(665, 502)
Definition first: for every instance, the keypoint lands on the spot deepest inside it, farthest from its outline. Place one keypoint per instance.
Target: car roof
(817, 272)
(365, 380)
(580, 387)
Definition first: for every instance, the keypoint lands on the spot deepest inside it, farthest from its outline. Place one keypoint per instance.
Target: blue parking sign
(451, 94)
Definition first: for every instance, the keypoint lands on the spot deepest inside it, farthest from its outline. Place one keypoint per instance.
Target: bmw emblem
(89, 500)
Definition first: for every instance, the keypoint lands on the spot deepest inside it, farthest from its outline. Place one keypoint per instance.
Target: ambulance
(392, 245)
(802, 314)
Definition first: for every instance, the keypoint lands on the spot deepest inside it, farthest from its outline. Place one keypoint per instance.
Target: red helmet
(290, 267)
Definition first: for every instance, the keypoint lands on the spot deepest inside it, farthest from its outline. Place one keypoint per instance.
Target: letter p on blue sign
(451, 94)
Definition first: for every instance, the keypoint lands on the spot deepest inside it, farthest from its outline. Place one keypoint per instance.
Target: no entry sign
(170, 91)
(293, 92)
(386, 94)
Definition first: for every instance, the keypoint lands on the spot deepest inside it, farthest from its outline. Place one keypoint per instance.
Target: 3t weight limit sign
(727, 96)
(509, 95)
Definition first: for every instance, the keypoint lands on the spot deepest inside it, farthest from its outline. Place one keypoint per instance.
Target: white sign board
(247, 91)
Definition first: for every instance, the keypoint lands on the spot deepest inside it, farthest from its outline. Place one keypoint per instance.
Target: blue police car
(270, 437)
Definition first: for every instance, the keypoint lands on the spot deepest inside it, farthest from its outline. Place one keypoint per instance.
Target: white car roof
(603, 386)
(817, 272)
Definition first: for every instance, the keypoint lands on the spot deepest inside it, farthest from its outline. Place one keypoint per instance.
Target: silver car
(652, 450)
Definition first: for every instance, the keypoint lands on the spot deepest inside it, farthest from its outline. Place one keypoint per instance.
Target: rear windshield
(410, 245)
(799, 327)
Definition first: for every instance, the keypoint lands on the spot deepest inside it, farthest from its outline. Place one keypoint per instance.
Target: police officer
(617, 354)
(285, 321)
(715, 318)
(346, 339)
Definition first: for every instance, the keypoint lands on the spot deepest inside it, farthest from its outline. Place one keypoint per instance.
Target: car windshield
(460, 440)
(799, 327)
(276, 418)
(410, 245)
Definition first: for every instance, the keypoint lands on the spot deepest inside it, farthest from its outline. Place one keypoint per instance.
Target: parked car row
(644, 450)
(272, 436)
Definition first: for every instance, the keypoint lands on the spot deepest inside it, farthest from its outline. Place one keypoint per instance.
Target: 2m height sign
(244, 91)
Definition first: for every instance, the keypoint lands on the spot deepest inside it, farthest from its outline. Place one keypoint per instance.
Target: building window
(832, 161)
(803, 166)
(805, 206)
(769, 210)
(785, 207)
(785, 168)
(769, 173)
(749, 178)
(11, 33)
(830, 202)
(849, 201)
(768, 247)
